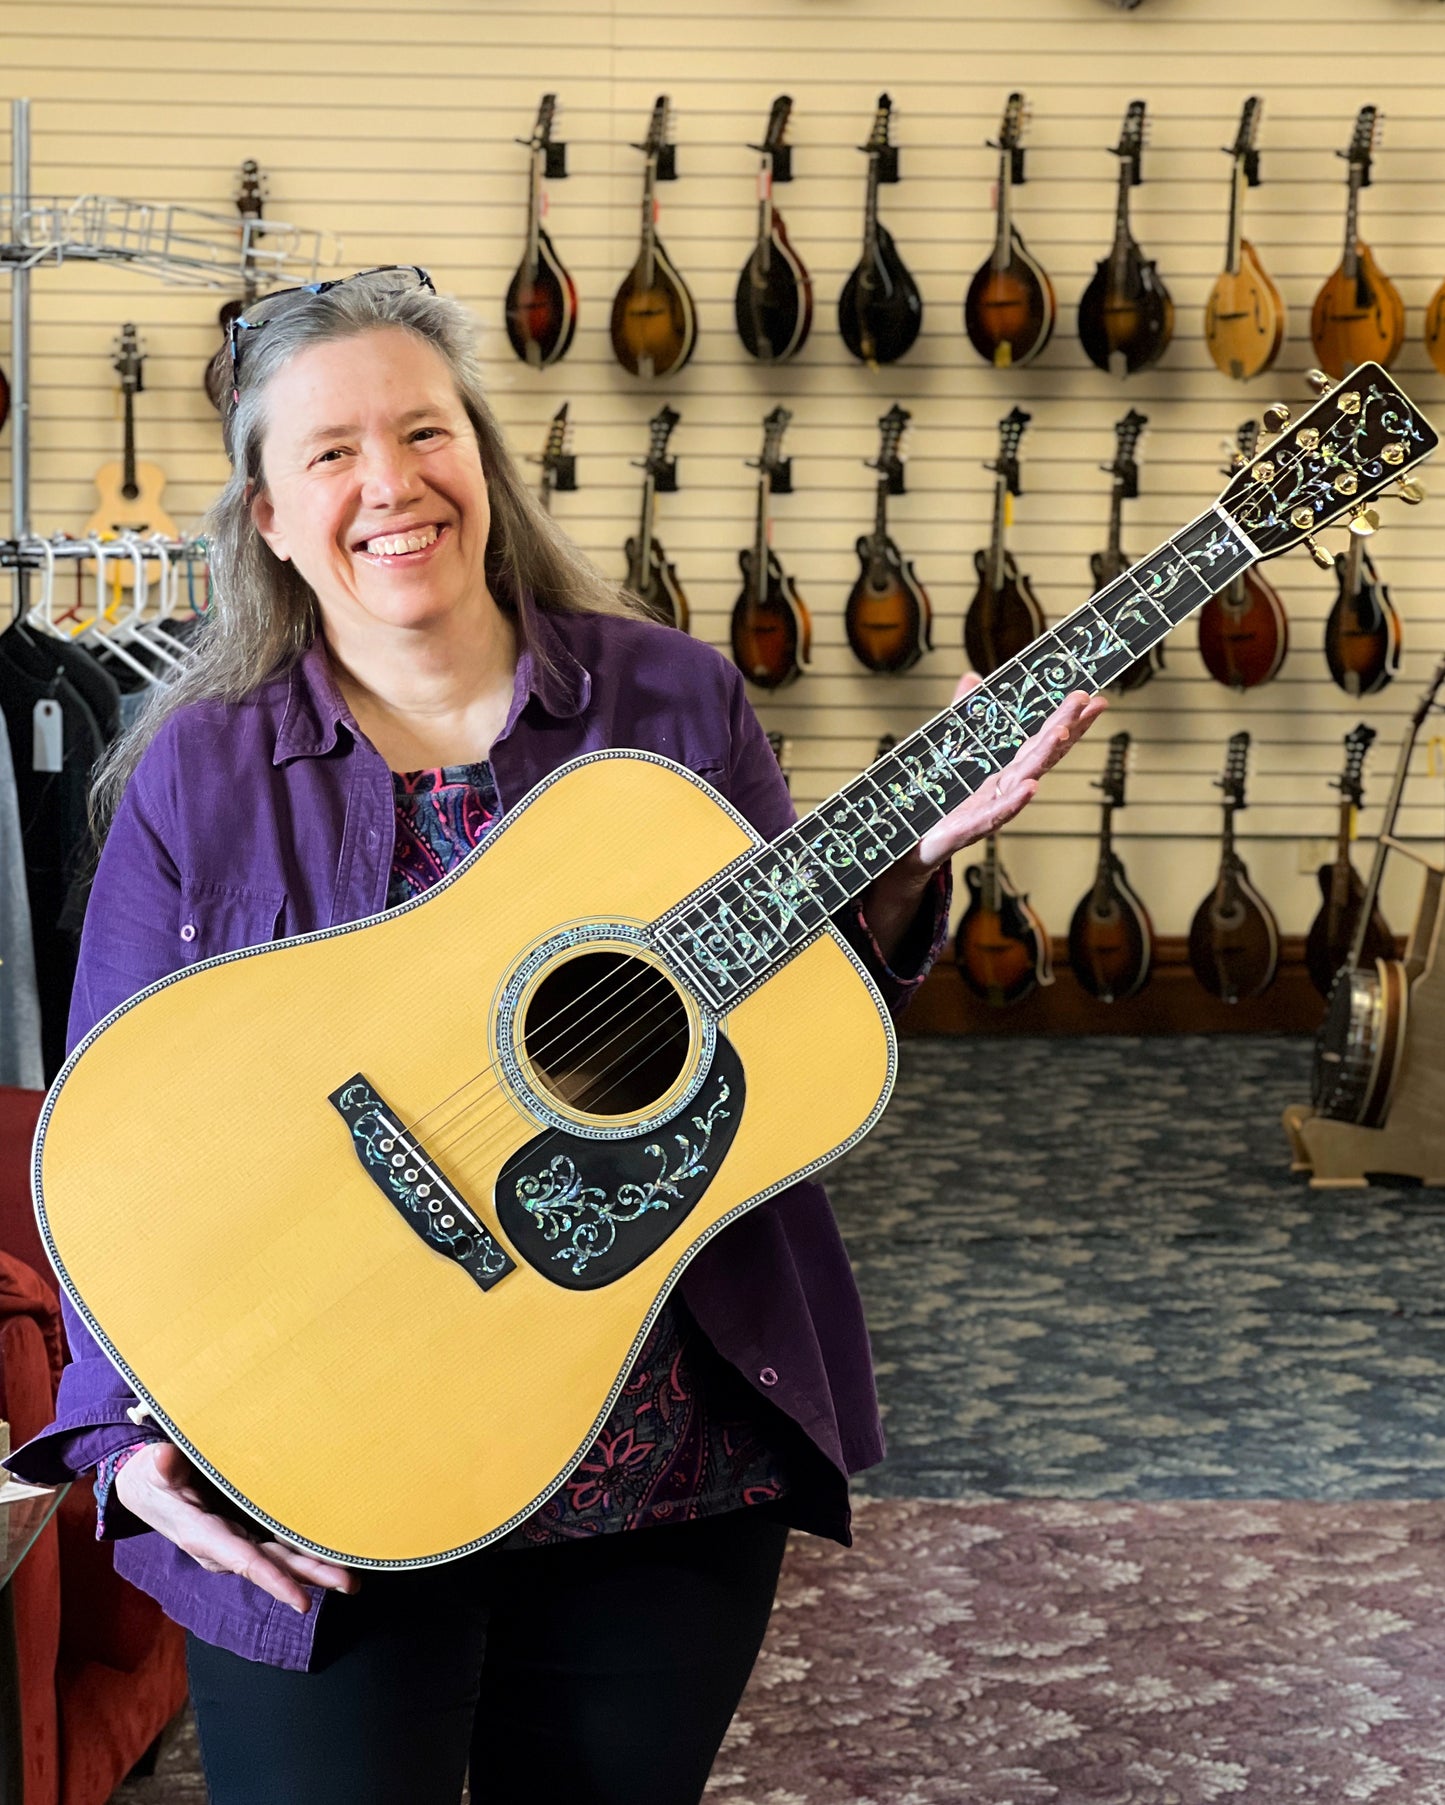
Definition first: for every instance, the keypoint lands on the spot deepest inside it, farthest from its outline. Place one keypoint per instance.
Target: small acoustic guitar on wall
(654, 317)
(1332, 932)
(541, 306)
(1245, 315)
(1000, 944)
(651, 576)
(1234, 938)
(888, 617)
(1358, 314)
(773, 305)
(1009, 310)
(1126, 317)
(1004, 615)
(130, 491)
(1111, 939)
(1243, 631)
(772, 633)
(880, 310)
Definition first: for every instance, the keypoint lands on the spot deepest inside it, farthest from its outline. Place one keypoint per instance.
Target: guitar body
(888, 617)
(772, 637)
(1243, 632)
(773, 307)
(286, 1321)
(654, 323)
(1327, 945)
(1009, 313)
(117, 512)
(880, 311)
(1126, 313)
(1357, 319)
(999, 624)
(1002, 953)
(1362, 634)
(541, 308)
(1244, 318)
(1233, 939)
(1142, 669)
(661, 594)
(1111, 939)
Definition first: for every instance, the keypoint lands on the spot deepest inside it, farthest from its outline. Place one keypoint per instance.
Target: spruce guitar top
(370, 1240)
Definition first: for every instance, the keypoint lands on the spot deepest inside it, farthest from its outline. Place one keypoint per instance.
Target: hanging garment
(20, 1057)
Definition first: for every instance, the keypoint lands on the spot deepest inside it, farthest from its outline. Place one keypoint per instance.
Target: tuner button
(1393, 453)
(1318, 381)
(1276, 418)
(1263, 472)
(1308, 439)
(1346, 483)
(1364, 522)
(1408, 491)
(1349, 404)
(1319, 554)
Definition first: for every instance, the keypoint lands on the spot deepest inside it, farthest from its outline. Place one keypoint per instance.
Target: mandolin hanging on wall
(651, 577)
(541, 305)
(772, 633)
(1004, 615)
(1009, 310)
(1234, 938)
(1126, 317)
(888, 617)
(1243, 631)
(880, 310)
(1245, 316)
(1108, 564)
(1111, 939)
(1000, 945)
(1363, 637)
(1358, 313)
(773, 305)
(559, 466)
(1342, 892)
(654, 318)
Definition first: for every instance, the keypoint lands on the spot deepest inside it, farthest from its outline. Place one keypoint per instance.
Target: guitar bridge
(410, 1179)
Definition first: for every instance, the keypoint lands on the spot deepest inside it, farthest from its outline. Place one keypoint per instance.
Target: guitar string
(491, 1070)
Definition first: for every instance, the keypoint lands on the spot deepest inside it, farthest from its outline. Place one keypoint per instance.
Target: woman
(403, 645)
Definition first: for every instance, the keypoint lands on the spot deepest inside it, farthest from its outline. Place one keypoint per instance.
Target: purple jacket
(250, 821)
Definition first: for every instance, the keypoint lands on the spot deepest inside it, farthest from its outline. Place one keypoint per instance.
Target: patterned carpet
(1104, 1314)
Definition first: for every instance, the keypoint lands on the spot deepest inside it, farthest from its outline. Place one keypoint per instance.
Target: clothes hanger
(105, 642)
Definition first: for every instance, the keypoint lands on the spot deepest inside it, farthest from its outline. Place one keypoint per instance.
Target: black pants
(604, 1671)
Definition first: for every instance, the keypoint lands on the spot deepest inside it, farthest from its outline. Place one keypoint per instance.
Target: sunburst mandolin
(541, 304)
(1234, 937)
(381, 1270)
(1126, 315)
(654, 317)
(1009, 310)
(1243, 631)
(1111, 939)
(887, 618)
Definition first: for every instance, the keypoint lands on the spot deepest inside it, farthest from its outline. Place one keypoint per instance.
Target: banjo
(358, 1245)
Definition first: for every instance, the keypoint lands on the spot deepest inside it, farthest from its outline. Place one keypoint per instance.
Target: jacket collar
(546, 670)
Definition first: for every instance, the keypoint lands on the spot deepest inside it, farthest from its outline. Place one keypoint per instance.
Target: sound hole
(606, 1033)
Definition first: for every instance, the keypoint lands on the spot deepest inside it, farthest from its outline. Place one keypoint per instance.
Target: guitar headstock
(250, 189)
(658, 465)
(1357, 743)
(1353, 444)
(559, 467)
(128, 358)
(1131, 141)
(779, 155)
(1111, 779)
(1010, 431)
(1124, 470)
(777, 469)
(891, 427)
(1364, 141)
(655, 146)
(1244, 151)
(542, 144)
(1236, 760)
(880, 148)
(1011, 134)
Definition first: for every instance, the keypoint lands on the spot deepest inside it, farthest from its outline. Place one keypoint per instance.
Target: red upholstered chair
(103, 1669)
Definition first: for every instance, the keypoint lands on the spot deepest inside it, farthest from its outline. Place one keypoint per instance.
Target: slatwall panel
(393, 126)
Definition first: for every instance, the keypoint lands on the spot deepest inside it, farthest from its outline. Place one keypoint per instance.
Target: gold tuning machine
(1364, 521)
(1319, 382)
(1408, 491)
(1319, 554)
(1276, 418)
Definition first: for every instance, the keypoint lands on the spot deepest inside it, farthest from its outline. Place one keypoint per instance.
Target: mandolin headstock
(771, 463)
(559, 466)
(777, 156)
(1010, 136)
(879, 149)
(1242, 450)
(542, 144)
(658, 465)
(661, 154)
(1364, 141)
(1124, 470)
(1111, 779)
(1010, 431)
(891, 427)
(1357, 743)
(1236, 761)
(250, 190)
(1130, 147)
(1244, 152)
(1352, 445)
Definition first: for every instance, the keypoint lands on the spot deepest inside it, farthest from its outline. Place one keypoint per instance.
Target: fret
(772, 893)
(826, 859)
(1215, 551)
(989, 718)
(962, 751)
(690, 939)
(920, 794)
(1033, 685)
(1095, 648)
(1128, 612)
(879, 840)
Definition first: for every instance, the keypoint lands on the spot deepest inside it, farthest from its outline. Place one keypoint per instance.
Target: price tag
(48, 745)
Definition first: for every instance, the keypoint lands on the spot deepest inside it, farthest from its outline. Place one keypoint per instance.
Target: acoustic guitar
(888, 617)
(880, 311)
(1107, 565)
(130, 491)
(651, 576)
(654, 317)
(1111, 939)
(772, 632)
(250, 204)
(364, 1238)
(1358, 1047)
(1245, 315)
(1000, 944)
(1004, 615)
(1126, 317)
(773, 305)
(1332, 932)
(1358, 313)
(1010, 308)
(1234, 938)
(1243, 631)
(1363, 636)
(559, 465)
(541, 305)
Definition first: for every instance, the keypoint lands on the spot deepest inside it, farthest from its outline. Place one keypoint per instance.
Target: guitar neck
(128, 483)
(730, 935)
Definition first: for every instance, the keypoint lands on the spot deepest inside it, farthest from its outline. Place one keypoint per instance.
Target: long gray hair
(263, 613)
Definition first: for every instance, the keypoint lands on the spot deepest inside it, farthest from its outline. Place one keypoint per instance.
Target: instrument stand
(1411, 1144)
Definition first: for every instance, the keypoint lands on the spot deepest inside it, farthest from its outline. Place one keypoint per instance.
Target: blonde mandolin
(1358, 312)
(1244, 318)
(130, 491)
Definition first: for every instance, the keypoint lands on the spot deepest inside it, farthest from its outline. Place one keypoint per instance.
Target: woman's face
(373, 481)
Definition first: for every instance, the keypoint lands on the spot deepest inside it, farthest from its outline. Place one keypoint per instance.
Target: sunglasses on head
(405, 276)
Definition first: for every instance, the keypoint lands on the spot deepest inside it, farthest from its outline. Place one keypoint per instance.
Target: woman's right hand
(161, 1487)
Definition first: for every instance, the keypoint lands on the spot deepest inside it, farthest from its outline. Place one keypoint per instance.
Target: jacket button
(188, 932)
(767, 1376)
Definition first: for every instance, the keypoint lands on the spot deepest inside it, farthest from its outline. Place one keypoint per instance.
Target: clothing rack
(179, 245)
